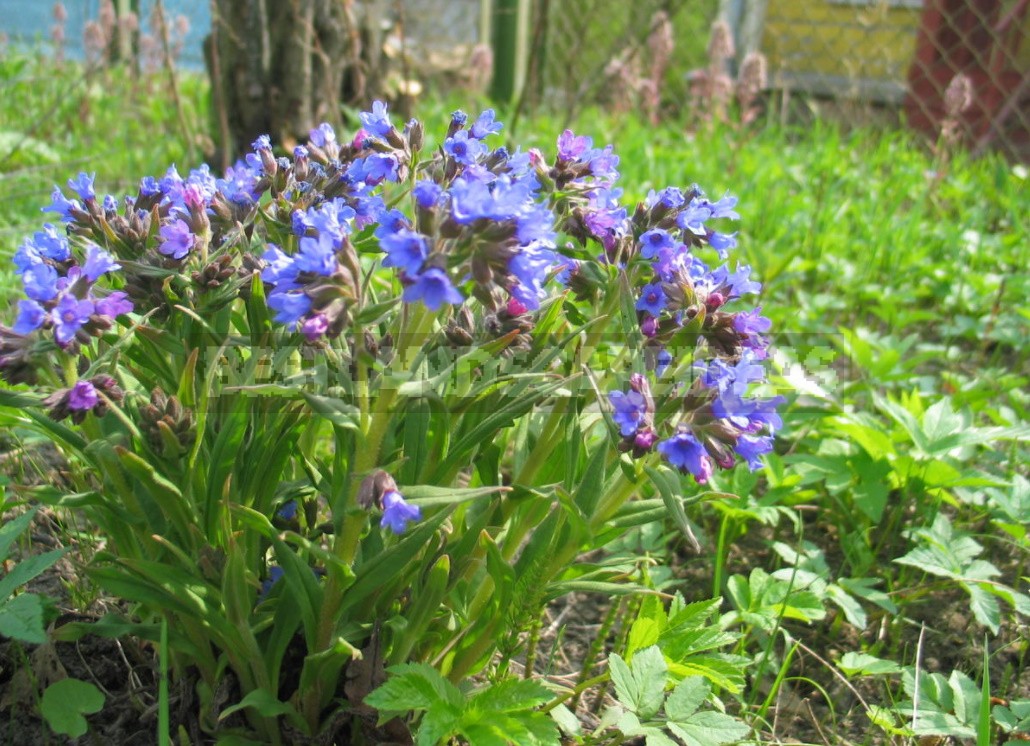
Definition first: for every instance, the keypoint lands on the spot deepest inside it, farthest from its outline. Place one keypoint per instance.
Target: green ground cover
(880, 561)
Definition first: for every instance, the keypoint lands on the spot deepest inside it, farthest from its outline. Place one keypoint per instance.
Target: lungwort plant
(373, 404)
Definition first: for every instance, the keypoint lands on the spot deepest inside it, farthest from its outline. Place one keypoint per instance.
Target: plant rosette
(367, 405)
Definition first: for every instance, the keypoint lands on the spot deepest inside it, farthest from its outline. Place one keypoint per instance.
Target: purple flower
(377, 121)
(98, 262)
(433, 287)
(31, 316)
(397, 514)
(300, 153)
(571, 147)
(751, 322)
(148, 187)
(290, 306)
(315, 326)
(176, 239)
(322, 135)
(629, 410)
(530, 267)
(63, 206)
(40, 282)
(82, 397)
(750, 448)
(373, 169)
(652, 299)
(113, 305)
(654, 241)
(68, 316)
(463, 148)
(427, 194)
(405, 250)
(670, 197)
(684, 452)
(262, 143)
(82, 185)
(485, 125)
(603, 164)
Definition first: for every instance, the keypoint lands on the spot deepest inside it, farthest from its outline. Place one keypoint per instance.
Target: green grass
(899, 301)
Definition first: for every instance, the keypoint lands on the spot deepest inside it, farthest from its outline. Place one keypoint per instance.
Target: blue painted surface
(29, 21)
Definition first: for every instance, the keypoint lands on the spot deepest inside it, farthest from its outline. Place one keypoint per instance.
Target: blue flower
(40, 282)
(397, 513)
(405, 250)
(662, 362)
(288, 510)
(463, 148)
(693, 217)
(723, 208)
(377, 121)
(68, 316)
(98, 262)
(82, 185)
(262, 143)
(275, 574)
(654, 241)
(722, 242)
(485, 125)
(684, 452)
(433, 287)
(629, 412)
(148, 187)
(316, 255)
(427, 194)
(458, 119)
(737, 283)
(652, 299)
(750, 448)
(280, 269)
(176, 239)
(31, 316)
(290, 306)
(63, 206)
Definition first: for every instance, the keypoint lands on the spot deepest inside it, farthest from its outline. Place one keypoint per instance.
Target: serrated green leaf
(687, 697)
(414, 686)
(511, 695)
(640, 687)
(709, 728)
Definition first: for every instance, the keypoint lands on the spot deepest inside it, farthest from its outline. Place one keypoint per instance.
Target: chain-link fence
(873, 56)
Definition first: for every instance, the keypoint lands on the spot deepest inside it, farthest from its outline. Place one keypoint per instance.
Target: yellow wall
(851, 41)
(873, 42)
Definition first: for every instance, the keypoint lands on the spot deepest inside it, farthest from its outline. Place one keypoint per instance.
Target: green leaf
(984, 607)
(863, 664)
(262, 700)
(414, 686)
(66, 701)
(21, 618)
(27, 569)
(511, 695)
(688, 695)
(709, 728)
(641, 687)
(12, 529)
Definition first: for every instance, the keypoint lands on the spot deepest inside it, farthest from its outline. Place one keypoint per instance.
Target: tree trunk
(281, 67)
